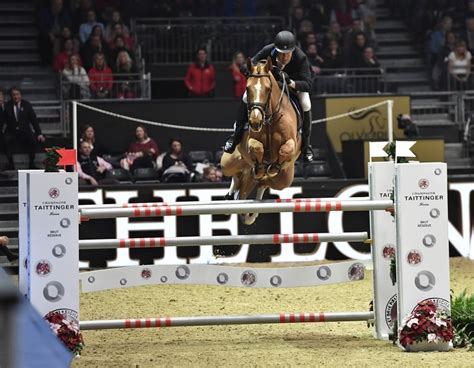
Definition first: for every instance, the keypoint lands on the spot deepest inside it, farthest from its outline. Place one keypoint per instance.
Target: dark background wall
(116, 133)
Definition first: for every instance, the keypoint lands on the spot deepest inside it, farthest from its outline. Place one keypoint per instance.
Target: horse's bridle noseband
(262, 107)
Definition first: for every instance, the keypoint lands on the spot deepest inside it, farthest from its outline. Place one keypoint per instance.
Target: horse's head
(259, 93)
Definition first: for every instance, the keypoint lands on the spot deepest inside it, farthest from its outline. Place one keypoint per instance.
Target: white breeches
(303, 97)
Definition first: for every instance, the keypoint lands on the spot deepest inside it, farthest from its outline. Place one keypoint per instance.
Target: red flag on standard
(68, 157)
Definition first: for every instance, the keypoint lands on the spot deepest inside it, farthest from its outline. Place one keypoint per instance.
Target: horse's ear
(249, 64)
(269, 64)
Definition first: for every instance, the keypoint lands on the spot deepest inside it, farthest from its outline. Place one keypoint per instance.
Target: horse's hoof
(273, 170)
(229, 197)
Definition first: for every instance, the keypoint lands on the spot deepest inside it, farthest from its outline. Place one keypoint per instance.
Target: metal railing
(437, 107)
(124, 86)
(175, 40)
(50, 115)
(459, 78)
(350, 80)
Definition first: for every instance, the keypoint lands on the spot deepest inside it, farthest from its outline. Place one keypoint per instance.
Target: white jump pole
(74, 124)
(227, 320)
(390, 120)
(187, 241)
(106, 213)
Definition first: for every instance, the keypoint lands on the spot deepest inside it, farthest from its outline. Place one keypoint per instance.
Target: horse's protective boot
(306, 149)
(235, 138)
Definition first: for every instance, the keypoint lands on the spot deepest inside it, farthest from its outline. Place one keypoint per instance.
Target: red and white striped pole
(310, 317)
(188, 241)
(230, 208)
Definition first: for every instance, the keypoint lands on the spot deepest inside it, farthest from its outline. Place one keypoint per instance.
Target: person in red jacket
(100, 77)
(240, 82)
(62, 58)
(200, 78)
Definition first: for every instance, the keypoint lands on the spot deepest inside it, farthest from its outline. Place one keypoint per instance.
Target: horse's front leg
(285, 154)
(256, 151)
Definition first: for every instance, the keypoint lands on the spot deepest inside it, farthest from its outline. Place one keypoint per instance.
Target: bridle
(264, 107)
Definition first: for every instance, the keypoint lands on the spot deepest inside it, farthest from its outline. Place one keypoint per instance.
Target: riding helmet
(285, 42)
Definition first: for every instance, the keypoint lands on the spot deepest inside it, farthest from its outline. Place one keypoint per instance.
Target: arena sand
(348, 344)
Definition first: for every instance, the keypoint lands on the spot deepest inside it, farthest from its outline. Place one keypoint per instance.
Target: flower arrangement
(67, 331)
(51, 160)
(426, 323)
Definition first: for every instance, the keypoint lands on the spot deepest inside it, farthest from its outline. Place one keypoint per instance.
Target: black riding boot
(306, 149)
(234, 139)
(10, 256)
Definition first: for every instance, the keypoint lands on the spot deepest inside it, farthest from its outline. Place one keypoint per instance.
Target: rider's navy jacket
(298, 68)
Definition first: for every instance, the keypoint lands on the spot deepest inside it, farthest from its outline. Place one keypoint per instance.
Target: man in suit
(2, 128)
(20, 119)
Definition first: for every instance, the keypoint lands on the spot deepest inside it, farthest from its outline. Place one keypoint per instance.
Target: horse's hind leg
(256, 151)
(285, 154)
(249, 218)
(233, 189)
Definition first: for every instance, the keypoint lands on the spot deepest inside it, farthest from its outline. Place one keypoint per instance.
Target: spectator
(459, 66)
(440, 70)
(118, 31)
(88, 135)
(91, 168)
(142, 152)
(62, 59)
(334, 33)
(357, 28)
(79, 13)
(66, 34)
(86, 28)
(468, 34)
(437, 38)
(3, 117)
(126, 76)
(119, 45)
(100, 77)
(93, 46)
(20, 116)
(240, 82)
(4, 249)
(356, 50)
(315, 61)
(306, 27)
(109, 30)
(51, 21)
(333, 57)
(297, 18)
(75, 80)
(309, 40)
(97, 30)
(368, 83)
(177, 165)
(369, 60)
(200, 78)
(343, 13)
(211, 175)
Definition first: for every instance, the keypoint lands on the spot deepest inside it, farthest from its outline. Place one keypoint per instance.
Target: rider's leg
(242, 117)
(306, 149)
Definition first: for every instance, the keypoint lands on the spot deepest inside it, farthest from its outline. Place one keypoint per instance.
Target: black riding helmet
(285, 42)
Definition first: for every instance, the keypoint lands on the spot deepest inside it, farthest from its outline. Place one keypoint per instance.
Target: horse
(266, 156)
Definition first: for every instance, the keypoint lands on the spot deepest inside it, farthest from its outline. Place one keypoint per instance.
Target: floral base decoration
(426, 329)
(51, 160)
(67, 331)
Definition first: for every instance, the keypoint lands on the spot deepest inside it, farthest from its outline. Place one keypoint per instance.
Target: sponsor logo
(423, 183)
(391, 311)
(68, 314)
(54, 193)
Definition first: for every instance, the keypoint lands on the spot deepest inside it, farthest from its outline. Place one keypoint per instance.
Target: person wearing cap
(295, 67)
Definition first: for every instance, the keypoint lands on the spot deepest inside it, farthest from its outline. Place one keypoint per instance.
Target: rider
(296, 70)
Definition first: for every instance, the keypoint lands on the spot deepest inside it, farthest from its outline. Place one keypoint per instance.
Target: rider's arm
(304, 81)
(263, 54)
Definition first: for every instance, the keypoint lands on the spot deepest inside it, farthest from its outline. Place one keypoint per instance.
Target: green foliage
(462, 314)
(51, 160)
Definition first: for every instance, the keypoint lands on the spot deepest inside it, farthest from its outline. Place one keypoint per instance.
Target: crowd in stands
(445, 29)
(143, 159)
(335, 35)
(90, 45)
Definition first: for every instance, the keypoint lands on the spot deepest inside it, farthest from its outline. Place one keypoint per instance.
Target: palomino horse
(266, 156)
